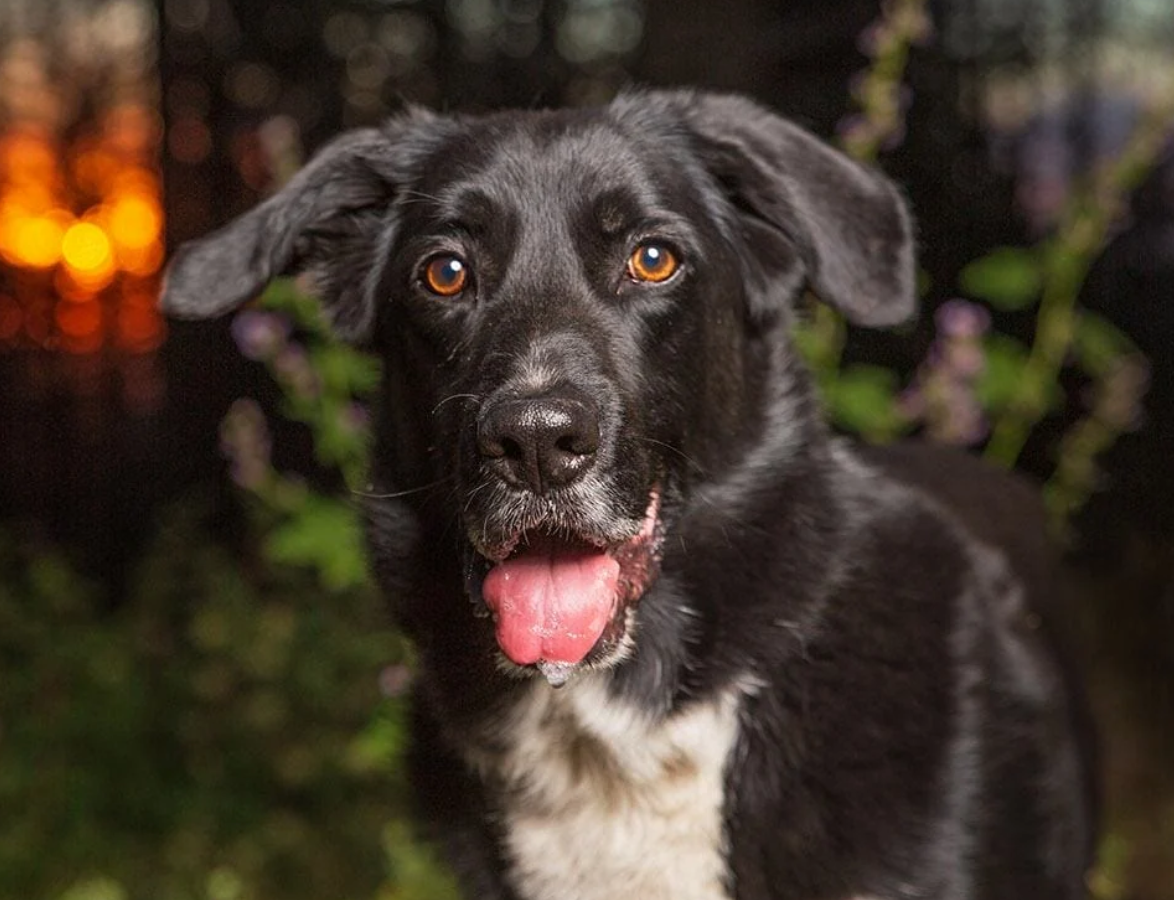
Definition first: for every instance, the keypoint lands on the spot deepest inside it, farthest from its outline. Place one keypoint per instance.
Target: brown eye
(446, 276)
(652, 262)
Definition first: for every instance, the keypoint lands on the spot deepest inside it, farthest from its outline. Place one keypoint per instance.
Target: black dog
(675, 640)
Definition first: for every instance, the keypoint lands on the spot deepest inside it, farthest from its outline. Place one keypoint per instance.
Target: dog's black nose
(539, 443)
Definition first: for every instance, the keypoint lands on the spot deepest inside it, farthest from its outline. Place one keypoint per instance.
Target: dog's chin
(560, 601)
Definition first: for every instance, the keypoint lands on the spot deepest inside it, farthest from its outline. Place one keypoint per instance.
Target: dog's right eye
(652, 263)
(446, 275)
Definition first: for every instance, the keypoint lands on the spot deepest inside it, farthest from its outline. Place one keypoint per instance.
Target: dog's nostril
(576, 444)
(511, 449)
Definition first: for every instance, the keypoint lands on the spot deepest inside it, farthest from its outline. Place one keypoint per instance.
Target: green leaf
(1002, 372)
(284, 295)
(864, 400)
(1002, 380)
(1009, 278)
(1098, 343)
(323, 535)
(344, 370)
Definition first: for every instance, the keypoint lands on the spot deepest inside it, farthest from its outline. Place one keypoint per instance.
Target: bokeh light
(81, 212)
(86, 250)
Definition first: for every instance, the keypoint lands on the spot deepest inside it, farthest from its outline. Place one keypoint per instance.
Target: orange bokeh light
(33, 241)
(27, 157)
(145, 261)
(79, 319)
(87, 253)
(100, 261)
(135, 221)
(82, 344)
(94, 169)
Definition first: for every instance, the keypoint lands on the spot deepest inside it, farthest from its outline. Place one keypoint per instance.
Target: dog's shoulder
(1001, 508)
(981, 533)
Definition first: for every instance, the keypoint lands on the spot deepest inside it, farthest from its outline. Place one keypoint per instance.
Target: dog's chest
(600, 803)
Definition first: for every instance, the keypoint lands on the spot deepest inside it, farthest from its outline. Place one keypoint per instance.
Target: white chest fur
(603, 803)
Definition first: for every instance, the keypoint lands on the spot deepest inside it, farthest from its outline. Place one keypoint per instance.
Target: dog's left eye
(652, 262)
(446, 275)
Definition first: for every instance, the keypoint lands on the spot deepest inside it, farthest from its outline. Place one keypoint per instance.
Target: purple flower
(293, 368)
(395, 680)
(355, 418)
(1119, 399)
(245, 442)
(260, 334)
(943, 395)
(871, 40)
(962, 319)
(895, 138)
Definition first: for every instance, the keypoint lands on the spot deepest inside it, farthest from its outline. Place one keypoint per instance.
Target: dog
(676, 639)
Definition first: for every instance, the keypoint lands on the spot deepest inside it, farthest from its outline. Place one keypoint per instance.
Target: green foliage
(1099, 345)
(323, 534)
(1003, 364)
(863, 400)
(1008, 278)
(1018, 385)
(221, 734)
(305, 531)
(323, 382)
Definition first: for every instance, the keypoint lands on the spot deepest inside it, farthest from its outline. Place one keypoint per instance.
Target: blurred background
(200, 696)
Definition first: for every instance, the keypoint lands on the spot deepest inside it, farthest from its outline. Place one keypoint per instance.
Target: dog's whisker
(372, 495)
(476, 397)
(410, 194)
(693, 463)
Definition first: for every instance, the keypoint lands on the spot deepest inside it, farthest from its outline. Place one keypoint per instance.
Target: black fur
(912, 732)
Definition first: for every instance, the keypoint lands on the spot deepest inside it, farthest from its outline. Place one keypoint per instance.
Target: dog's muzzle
(560, 579)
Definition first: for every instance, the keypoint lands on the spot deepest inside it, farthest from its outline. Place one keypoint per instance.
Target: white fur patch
(602, 802)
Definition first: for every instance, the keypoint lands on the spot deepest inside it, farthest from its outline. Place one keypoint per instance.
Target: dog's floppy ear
(848, 225)
(325, 221)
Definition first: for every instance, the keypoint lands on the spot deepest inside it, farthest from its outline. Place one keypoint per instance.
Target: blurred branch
(1115, 406)
(880, 94)
(877, 123)
(1083, 231)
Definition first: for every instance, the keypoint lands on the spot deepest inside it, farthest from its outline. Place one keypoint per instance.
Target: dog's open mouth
(555, 598)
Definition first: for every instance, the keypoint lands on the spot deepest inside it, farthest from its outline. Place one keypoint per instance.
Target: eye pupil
(652, 262)
(446, 275)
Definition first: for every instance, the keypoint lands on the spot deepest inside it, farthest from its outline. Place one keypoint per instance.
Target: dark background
(1008, 105)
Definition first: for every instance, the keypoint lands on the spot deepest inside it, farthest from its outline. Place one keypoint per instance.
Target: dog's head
(582, 318)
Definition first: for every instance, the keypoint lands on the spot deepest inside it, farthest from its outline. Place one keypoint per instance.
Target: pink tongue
(551, 602)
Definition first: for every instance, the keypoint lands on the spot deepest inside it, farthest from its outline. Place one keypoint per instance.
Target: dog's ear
(848, 225)
(326, 221)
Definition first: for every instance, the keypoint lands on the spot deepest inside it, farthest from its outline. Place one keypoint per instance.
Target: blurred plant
(229, 731)
(1052, 275)
(877, 123)
(1021, 385)
(323, 383)
(973, 376)
(943, 395)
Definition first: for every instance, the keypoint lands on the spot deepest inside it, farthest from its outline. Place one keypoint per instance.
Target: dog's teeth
(556, 673)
